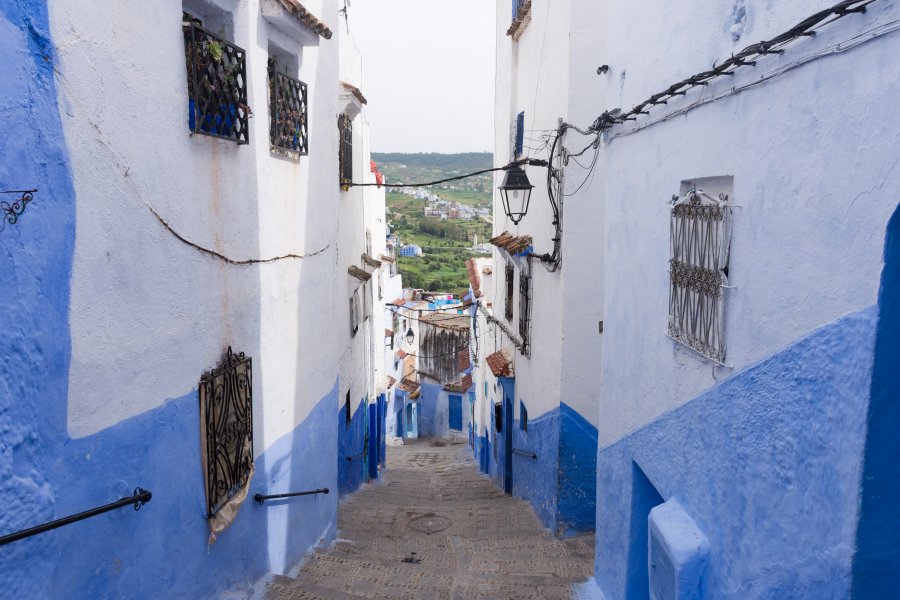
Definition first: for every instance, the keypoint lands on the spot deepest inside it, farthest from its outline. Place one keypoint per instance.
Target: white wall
(143, 335)
(813, 154)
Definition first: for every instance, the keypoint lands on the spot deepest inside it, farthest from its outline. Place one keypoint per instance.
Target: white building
(178, 255)
(748, 435)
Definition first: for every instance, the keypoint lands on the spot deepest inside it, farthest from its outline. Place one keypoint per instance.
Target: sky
(428, 72)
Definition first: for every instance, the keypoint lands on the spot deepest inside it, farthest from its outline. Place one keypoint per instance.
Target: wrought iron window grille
(345, 151)
(11, 211)
(288, 113)
(524, 310)
(510, 276)
(700, 238)
(226, 413)
(217, 85)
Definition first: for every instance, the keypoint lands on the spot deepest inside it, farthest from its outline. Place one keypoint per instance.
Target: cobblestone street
(469, 539)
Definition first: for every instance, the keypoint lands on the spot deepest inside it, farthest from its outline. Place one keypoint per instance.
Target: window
(700, 226)
(217, 84)
(288, 131)
(498, 417)
(524, 308)
(345, 151)
(510, 276)
(355, 312)
(347, 410)
(226, 430)
(520, 135)
(523, 416)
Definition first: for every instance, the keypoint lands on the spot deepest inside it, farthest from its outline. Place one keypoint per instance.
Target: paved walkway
(471, 541)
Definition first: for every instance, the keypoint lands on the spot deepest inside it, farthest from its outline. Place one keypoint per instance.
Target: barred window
(217, 84)
(226, 416)
(345, 151)
(510, 276)
(288, 130)
(524, 308)
(700, 240)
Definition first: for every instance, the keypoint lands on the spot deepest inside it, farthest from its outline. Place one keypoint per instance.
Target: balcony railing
(217, 85)
(345, 153)
(288, 113)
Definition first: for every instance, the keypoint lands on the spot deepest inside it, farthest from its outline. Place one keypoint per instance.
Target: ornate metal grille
(288, 130)
(524, 309)
(510, 275)
(217, 85)
(345, 152)
(226, 413)
(700, 242)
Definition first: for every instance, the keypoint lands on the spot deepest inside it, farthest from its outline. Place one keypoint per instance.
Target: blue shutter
(520, 133)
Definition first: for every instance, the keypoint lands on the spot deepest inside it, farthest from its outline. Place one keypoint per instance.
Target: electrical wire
(429, 183)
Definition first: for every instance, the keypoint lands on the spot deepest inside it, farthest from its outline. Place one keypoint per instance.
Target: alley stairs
(435, 528)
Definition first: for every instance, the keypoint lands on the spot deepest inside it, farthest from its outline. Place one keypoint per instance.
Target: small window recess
(523, 416)
(510, 285)
(347, 416)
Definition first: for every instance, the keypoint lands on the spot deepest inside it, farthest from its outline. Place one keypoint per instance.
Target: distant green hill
(466, 161)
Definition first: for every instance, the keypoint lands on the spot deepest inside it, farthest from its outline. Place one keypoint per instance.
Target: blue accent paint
(372, 459)
(434, 418)
(455, 410)
(767, 463)
(577, 506)
(643, 498)
(352, 446)
(876, 564)
(382, 430)
(536, 480)
(507, 437)
(36, 267)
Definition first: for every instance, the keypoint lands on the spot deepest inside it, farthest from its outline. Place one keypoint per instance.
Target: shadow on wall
(643, 498)
(876, 564)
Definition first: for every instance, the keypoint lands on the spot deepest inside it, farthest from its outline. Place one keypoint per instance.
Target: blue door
(456, 413)
(412, 421)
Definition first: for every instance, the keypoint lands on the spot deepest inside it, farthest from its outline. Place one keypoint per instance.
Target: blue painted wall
(577, 506)
(351, 455)
(455, 412)
(537, 480)
(434, 411)
(767, 463)
(876, 565)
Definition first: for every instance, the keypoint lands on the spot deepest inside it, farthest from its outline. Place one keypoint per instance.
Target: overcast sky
(428, 68)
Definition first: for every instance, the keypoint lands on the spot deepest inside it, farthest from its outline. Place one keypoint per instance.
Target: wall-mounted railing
(138, 499)
(260, 498)
(525, 453)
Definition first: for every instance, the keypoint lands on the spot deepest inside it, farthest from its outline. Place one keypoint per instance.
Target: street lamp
(515, 192)
(410, 336)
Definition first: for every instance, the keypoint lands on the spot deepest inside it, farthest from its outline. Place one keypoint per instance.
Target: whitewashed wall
(149, 313)
(814, 156)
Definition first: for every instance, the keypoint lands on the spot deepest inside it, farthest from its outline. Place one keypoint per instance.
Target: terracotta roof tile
(400, 354)
(399, 302)
(355, 271)
(474, 277)
(459, 386)
(358, 95)
(523, 18)
(408, 385)
(500, 365)
(304, 16)
(388, 332)
(463, 360)
(514, 244)
(390, 381)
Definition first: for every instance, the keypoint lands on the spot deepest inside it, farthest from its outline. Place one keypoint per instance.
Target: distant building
(411, 250)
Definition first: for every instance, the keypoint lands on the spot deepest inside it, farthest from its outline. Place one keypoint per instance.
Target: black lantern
(515, 192)
(410, 336)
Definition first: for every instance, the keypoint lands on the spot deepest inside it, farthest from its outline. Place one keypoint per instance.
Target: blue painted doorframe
(372, 459)
(456, 419)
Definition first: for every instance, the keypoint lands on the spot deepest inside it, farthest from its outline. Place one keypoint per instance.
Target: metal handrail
(530, 455)
(261, 498)
(138, 499)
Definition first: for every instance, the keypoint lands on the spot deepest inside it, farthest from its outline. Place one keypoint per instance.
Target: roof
(372, 262)
(400, 354)
(355, 271)
(408, 385)
(388, 332)
(307, 18)
(447, 321)
(463, 359)
(390, 381)
(523, 18)
(500, 365)
(357, 94)
(399, 302)
(474, 277)
(459, 386)
(514, 244)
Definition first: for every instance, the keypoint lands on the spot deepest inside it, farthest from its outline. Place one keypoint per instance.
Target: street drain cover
(430, 523)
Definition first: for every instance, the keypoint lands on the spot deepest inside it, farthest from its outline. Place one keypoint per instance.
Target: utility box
(678, 554)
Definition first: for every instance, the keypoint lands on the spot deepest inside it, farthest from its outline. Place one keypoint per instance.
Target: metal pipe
(140, 498)
(530, 455)
(260, 498)
(355, 456)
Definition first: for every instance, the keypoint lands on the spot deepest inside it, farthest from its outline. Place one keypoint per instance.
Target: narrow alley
(469, 538)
